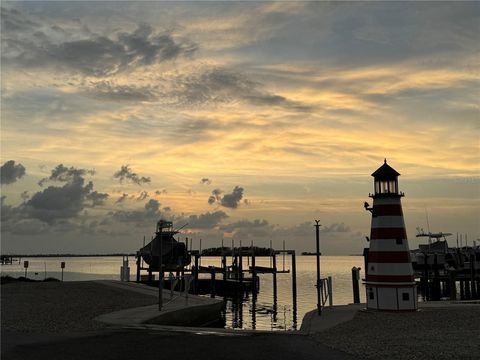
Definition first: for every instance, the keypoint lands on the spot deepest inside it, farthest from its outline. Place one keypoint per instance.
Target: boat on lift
(172, 253)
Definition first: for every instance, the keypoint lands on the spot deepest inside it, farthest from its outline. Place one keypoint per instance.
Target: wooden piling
(224, 267)
(294, 281)
(472, 277)
(425, 278)
(468, 295)
(212, 281)
(195, 275)
(355, 285)
(436, 279)
(453, 285)
(254, 276)
(138, 267)
(274, 266)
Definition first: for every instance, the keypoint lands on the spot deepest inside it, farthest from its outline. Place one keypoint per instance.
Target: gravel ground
(432, 333)
(62, 307)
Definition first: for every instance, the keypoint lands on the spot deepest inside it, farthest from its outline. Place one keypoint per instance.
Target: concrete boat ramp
(178, 309)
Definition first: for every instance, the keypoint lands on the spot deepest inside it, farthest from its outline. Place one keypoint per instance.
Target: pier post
(138, 267)
(274, 264)
(212, 281)
(224, 267)
(472, 276)
(356, 288)
(240, 266)
(468, 295)
(195, 276)
(426, 292)
(453, 285)
(319, 281)
(436, 279)
(254, 275)
(294, 281)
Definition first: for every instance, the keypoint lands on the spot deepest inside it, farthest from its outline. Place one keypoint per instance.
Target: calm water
(237, 315)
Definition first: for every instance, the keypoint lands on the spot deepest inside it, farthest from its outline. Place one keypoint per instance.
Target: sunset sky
(243, 119)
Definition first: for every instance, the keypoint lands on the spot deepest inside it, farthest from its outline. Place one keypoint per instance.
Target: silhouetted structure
(390, 283)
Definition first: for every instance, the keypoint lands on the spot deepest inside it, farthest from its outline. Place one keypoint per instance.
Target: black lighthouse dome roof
(385, 172)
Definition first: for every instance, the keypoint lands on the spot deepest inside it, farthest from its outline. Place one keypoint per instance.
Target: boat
(172, 253)
(437, 253)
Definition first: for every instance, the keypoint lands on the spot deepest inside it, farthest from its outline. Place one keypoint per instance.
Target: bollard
(356, 289)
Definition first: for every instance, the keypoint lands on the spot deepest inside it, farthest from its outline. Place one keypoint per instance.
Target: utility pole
(317, 254)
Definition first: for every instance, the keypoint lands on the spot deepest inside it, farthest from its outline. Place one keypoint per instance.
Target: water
(247, 314)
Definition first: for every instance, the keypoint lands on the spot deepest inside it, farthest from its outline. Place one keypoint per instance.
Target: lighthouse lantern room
(390, 283)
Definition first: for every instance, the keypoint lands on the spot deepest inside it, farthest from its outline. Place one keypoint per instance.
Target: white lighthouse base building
(391, 298)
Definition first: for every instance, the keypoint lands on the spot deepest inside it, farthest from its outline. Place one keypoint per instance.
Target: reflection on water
(260, 312)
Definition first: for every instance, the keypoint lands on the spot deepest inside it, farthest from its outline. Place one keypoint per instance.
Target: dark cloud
(205, 181)
(207, 220)
(231, 200)
(143, 195)
(31, 44)
(148, 215)
(67, 201)
(215, 197)
(65, 174)
(125, 173)
(245, 224)
(222, 85)
(107, 90)
(57, 204)
(9, 172)
(122, 198)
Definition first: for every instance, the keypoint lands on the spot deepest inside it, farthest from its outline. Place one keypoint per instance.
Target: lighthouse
(390, 283)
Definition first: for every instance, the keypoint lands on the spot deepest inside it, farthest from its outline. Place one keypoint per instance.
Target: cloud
(125, 173)
(160, 192)
(9, 172)
(33, 44)
(67, 201)
(143, 195)
(122, 198)
(65, 174)
(207, 220)
(148, 215)
(108, 90)
(224, 85)
(205, 181)
(215, 197)
(57, 203)
(231, 200)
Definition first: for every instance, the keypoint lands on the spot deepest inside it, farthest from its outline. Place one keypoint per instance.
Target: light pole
(317, 254)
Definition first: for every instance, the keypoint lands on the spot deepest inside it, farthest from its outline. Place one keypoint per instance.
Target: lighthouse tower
(389, 282)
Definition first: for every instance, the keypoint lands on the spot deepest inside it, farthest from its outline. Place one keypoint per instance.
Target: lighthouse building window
(405, 296)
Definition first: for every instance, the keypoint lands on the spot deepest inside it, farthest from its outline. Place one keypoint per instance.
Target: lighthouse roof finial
(385, 172)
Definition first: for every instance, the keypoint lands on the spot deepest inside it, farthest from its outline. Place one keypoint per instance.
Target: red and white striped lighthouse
(390, 283)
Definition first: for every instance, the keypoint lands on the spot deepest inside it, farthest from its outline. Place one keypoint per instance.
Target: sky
(246, 120)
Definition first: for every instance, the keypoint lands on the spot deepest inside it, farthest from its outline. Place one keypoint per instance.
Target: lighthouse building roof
(385, 172)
